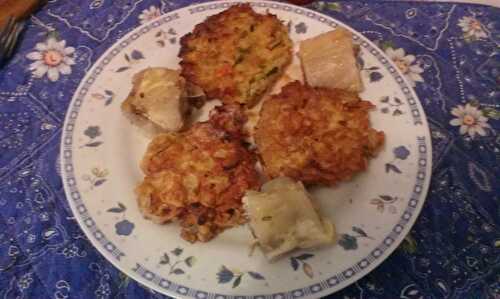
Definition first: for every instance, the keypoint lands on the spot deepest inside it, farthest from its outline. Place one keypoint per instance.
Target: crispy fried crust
(315, 135)
(236, 55)
(198, 178)
(230, 118)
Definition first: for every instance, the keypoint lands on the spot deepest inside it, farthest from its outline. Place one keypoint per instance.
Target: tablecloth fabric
(450, 52)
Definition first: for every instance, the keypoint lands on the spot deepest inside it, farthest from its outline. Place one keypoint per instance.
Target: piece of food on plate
(236, 55)
(315, 135)
(196, 96)
(157, 99)
(198, 178)
(283, 217)
(329, 60)
(230, 118)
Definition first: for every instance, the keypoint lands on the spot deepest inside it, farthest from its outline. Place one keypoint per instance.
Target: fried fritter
(230, 118)
(315, 135)
(236, 55)
(197, 177)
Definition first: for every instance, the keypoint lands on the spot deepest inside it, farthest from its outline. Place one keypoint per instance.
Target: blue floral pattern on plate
(226, 275)
(458, 57)
(173, 274)
(130, 55)
(123, 227)
(175, 261)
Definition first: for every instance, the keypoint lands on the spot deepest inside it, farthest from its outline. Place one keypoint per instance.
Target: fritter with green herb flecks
(236, 55)
(198, 177)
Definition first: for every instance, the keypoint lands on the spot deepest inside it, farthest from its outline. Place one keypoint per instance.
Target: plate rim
(145, 277)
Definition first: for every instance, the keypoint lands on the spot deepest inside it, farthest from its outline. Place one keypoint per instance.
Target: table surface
(451, 53)
(495, 3)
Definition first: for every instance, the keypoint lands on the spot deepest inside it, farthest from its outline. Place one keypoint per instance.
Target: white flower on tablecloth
(103, 291)
(472, 28)
(53, 58)
(470, 119)
(70, 252)
(25, 281)
(149, 14)
(31, 238)
(406, 64)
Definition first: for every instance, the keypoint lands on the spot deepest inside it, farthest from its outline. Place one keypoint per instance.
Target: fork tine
(8, 38)
(4, 39)
(9, 23)
(8, 27)
(13, 39)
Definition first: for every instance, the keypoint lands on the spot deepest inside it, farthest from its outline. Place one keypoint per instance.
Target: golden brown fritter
(230, 118)
(197, 177)
(315, 135)
(236, 55)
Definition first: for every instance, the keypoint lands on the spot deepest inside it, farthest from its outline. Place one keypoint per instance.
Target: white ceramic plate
(101, 150)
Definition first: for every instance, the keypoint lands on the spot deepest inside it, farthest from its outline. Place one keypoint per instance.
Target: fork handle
(19, 9)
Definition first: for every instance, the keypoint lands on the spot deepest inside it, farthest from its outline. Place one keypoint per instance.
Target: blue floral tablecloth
(449, 52)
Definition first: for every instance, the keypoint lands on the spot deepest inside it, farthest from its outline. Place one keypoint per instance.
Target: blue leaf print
(165, 259)
(121, 208)
(94, 144)
(384, 99)
(359, 231)
(360, 62)
(237, 281)
(177, 251)
(304, 256)
(175, 262)
(387, 198)
(391, 167)
(136, 55)
(295, 263)
(224, 275)
(99, 182)
(375, 76)
(256, 275)
(190, 261)
(122, 69)
(348, 242)
(397, 112)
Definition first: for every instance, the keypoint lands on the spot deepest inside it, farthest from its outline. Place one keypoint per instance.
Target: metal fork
(8, 38)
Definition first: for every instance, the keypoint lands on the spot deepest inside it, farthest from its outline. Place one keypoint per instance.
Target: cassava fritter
(315, 135)
(198, 178)
(236, 55)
